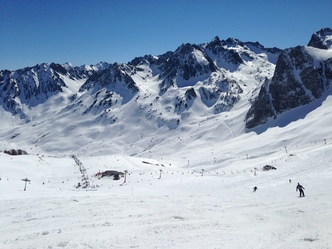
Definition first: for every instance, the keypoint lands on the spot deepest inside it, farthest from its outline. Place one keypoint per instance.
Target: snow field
(182, 209)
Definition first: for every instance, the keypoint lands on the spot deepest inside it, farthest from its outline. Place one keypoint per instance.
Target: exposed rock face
(261, 109)
(288, 88)
(29, 86)
(185, 102)
(219, 51)
(186, 63)
(32, 86)
(206, 73)
(302, 75)
(322, 39)
(168, 91)
(299, 79)
(108, 85)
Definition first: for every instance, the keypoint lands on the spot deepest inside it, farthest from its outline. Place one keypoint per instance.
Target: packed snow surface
(175, 201)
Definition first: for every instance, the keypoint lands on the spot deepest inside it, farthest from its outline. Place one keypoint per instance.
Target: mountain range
(222, 89)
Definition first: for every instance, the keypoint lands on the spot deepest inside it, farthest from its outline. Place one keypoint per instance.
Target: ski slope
(190, 187)
(169, 204)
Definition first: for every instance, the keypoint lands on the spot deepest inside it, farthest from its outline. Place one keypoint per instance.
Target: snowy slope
(170, 202)
(123, 106)
(190, 170)
(193, 190)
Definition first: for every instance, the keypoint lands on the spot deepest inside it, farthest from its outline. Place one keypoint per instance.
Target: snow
(185, 207)
(187, 186)
(319, 54)
(181, 210)
(200, 58)
(7, 119)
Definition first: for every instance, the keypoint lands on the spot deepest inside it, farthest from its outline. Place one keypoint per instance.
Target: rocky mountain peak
(167, 89)
(301, 76)
(187, 62)
(233, 42)
(215, 42)
(321, 39)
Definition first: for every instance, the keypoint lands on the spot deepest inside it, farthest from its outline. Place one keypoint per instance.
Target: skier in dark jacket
(300, 188)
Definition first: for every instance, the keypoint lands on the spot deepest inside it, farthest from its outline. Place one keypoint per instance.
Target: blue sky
(87, 32)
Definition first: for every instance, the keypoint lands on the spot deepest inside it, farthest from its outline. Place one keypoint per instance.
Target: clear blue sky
(90, 31)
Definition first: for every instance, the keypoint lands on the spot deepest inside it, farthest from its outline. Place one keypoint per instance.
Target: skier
(300, 188)
(255, 188)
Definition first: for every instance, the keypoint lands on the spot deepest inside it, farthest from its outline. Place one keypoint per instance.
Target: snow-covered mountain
(302, 75)
(174, 126)
(238, 85)
(321, 39)
(29, 87)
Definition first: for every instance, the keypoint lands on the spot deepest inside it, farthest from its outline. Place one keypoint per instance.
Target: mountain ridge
(302, 75)
(150, 94)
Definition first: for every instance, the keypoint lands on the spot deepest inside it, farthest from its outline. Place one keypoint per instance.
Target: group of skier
(299, 188)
